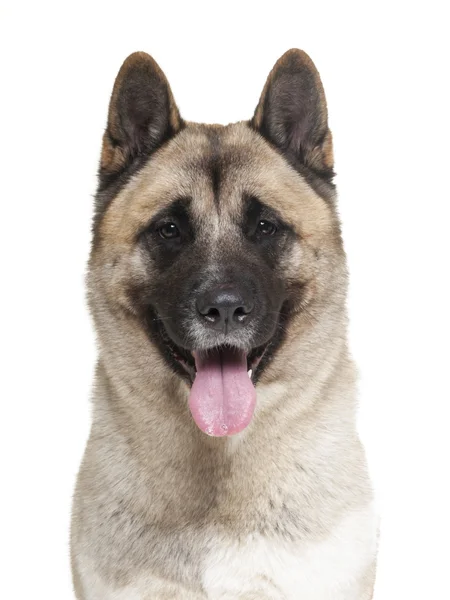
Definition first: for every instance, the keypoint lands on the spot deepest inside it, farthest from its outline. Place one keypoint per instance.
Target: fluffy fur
(282, 510)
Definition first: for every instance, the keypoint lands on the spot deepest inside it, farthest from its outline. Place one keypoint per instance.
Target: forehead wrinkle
(215, 227)
(203, 206)
(211, 200)
(214, 163)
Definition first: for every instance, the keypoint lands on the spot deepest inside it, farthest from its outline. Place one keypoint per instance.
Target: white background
(385, 68)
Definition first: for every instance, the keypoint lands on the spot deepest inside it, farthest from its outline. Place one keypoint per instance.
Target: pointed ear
(142, 115)
(292, 114)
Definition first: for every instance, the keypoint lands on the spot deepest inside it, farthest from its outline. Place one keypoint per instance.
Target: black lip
(182, 360)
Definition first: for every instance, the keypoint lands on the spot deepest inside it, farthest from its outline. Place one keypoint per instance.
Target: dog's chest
(262, 568)
(279, 570)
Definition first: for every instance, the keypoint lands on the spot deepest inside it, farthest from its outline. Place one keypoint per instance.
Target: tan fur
(155, 495)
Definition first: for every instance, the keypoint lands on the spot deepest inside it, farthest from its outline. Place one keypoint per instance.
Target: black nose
(225, 308)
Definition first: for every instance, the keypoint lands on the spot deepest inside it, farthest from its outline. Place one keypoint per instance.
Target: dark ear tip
(137, 57)
(139, 61)
(295, 59)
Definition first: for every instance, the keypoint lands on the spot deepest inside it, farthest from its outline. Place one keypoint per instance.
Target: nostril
(241, 312)
(211, 314)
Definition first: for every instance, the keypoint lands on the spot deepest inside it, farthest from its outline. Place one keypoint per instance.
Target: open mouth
(222, 396)
(187, 359)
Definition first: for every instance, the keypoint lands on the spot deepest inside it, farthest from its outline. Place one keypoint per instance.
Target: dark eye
(169, 231)
(266, 227)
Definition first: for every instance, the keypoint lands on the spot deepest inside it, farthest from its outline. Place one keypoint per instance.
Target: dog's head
(214, 242)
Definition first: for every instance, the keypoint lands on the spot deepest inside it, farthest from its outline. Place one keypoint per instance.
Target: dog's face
(214, 240)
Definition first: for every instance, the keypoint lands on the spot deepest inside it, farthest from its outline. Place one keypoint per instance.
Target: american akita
(223, 461)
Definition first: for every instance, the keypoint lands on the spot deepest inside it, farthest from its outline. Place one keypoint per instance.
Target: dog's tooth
(249, 373)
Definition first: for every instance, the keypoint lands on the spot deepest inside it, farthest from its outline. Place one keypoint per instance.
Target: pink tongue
(222, 398)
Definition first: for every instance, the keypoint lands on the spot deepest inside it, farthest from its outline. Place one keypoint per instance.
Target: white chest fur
(261, 569)
(331, 569)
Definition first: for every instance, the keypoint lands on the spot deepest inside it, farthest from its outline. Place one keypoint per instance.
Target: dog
(223, 460)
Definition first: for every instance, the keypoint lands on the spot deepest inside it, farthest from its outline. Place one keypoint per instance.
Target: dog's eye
(266, 227)
(169, 231)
